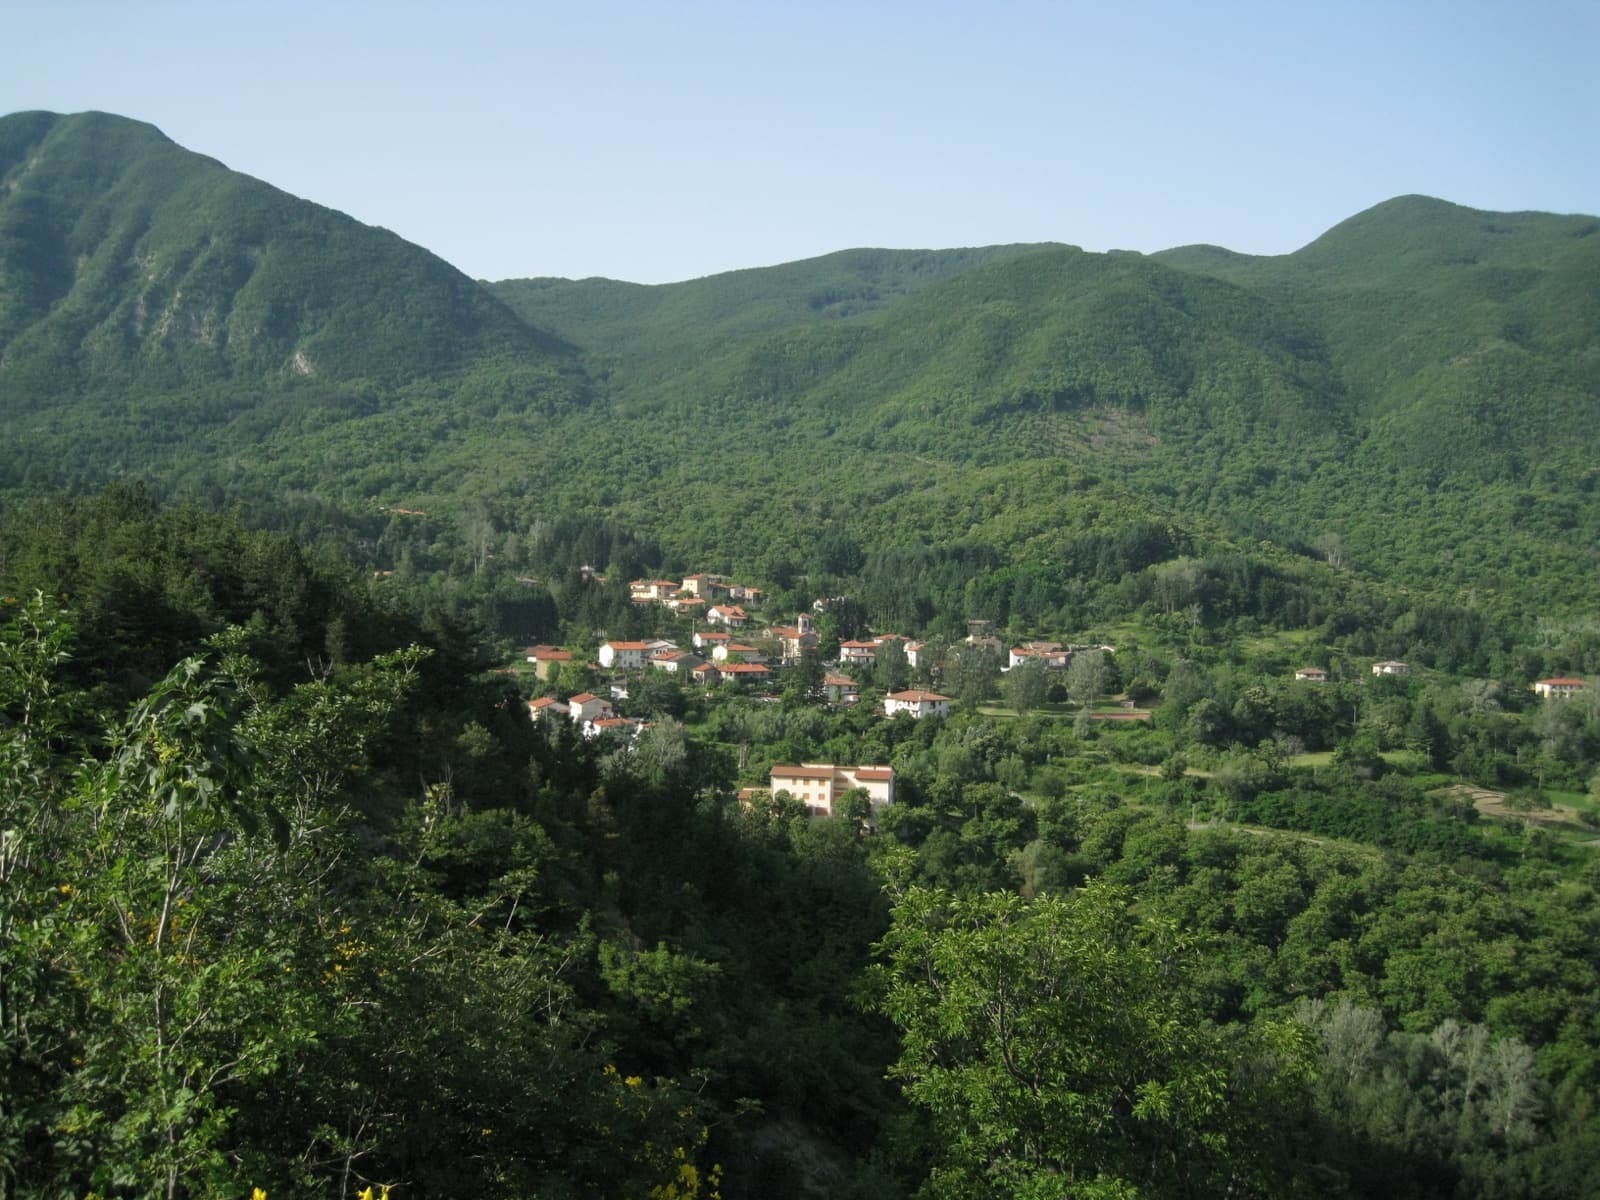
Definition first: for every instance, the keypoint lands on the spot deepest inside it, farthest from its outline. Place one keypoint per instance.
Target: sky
(657, 142)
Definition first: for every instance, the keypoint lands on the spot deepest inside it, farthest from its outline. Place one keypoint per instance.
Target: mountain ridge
(163, 316)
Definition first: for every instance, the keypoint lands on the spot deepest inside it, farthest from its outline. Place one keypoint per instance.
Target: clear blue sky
(662, 141)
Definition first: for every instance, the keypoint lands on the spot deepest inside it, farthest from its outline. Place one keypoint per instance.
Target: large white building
(819, 786)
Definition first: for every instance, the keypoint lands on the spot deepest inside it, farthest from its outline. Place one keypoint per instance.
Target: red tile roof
(803, 772)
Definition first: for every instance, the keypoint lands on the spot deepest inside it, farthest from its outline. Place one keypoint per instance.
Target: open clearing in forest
(1559, 818)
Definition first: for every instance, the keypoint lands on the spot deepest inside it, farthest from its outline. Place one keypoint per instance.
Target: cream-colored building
(819, 786)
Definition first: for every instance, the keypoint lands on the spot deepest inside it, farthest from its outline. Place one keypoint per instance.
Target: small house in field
(1312, 674)
(1391, 668)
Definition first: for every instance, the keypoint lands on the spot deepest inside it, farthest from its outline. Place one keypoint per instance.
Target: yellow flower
(633, 1081)
(257, 1194)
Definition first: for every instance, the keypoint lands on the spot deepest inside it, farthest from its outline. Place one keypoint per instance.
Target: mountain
(1466, 337)
(130, 267)
(1419, 385)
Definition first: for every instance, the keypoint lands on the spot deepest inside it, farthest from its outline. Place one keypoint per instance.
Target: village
(732, 652)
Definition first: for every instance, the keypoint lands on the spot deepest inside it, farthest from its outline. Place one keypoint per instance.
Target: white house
(1391, 668)
(1312, 674)
(1052, 654)
(544, 707)
(840, 689)
(730, 615)
(794, 640)
(625, 727)
(674, 661)
(918, 703)
(652, 591)
(859, 653)
(624, 656)
(1559, 689)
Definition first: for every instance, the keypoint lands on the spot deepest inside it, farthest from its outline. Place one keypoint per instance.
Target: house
(625, 656)
(918, 703)
(544, 707)
(1052, 654)
(1312, 674)
(819, 786)
(978, 627)
(840, 689)
(745, 595)
(707, 587)
(730, 615)
(688, 606)
(625, 727)
(586, 706)
(745, 653)
(652, 591)
(1391, 668)
(745, 672)
(858, 653)
(914, 654)
(674, 661)
(793, 640)
(706, 675)
(1560, 688)
(547, 660)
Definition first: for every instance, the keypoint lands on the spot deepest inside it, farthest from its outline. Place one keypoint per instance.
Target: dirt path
(1492, 804)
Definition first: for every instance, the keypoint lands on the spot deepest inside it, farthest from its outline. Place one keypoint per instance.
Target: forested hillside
(294, 898)
(1412, 395)
(1250, 843)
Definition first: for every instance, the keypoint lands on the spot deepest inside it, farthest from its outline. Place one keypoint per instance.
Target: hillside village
(732, 650)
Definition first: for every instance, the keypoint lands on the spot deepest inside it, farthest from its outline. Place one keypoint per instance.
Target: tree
(973, 673)
(1086, 676)
(1026, 685)
(1058, 1052)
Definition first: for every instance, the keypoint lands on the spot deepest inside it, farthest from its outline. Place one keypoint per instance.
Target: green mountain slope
(1420, 384)
(609, 317)
(1465, 337)
(129, 262)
